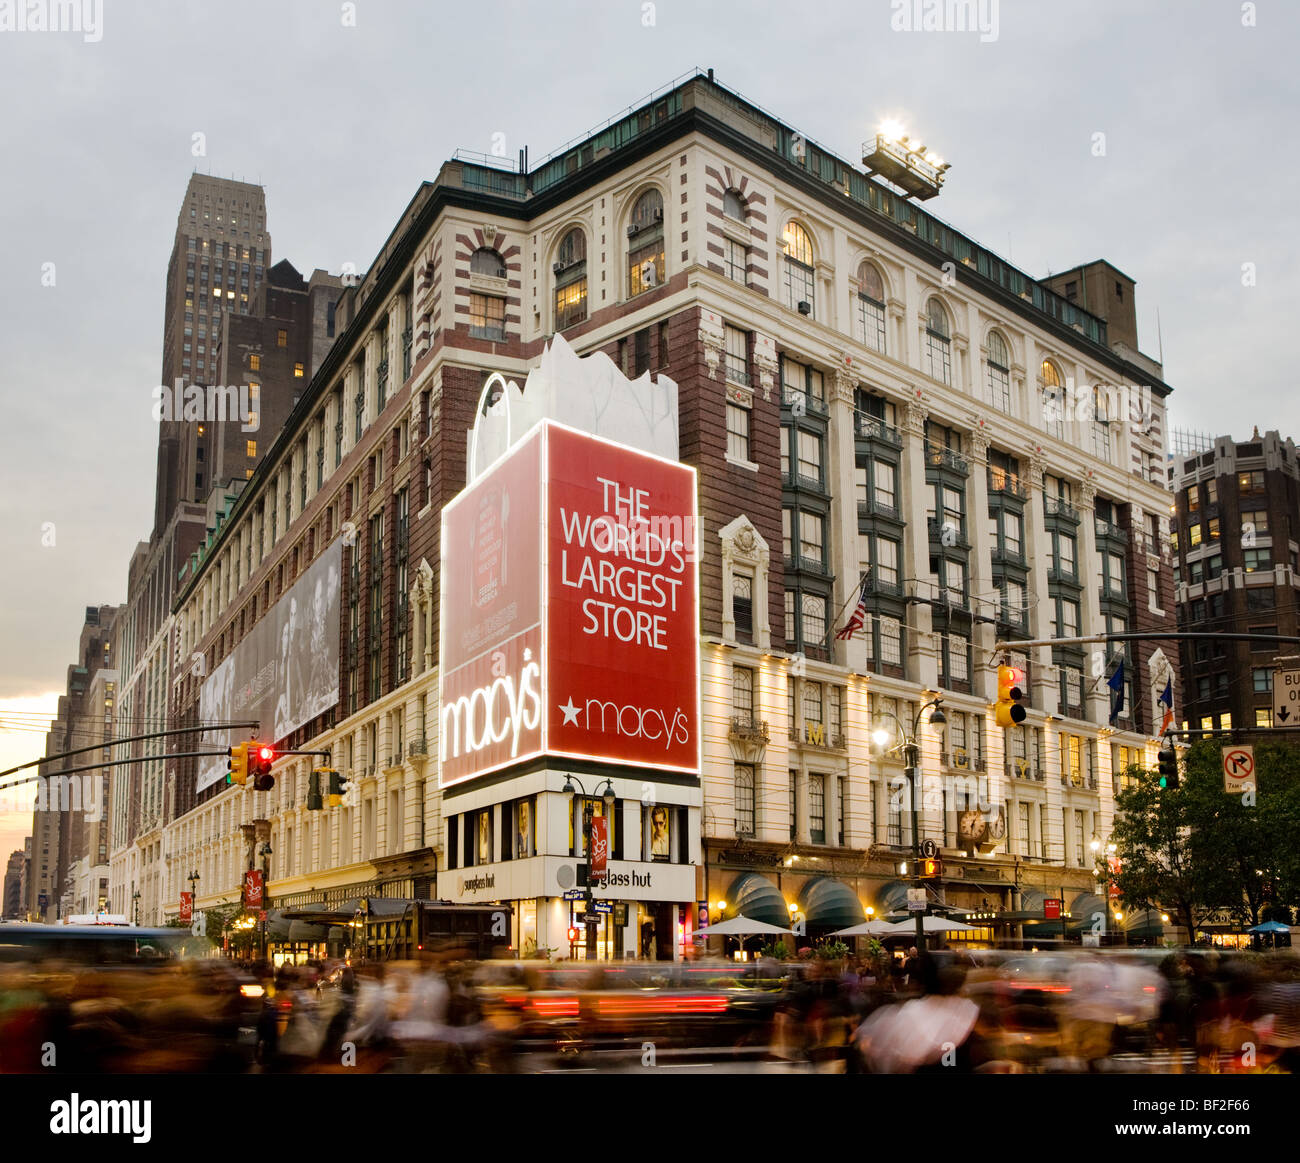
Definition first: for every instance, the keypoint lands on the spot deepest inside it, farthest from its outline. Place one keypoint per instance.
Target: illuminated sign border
(545, 425)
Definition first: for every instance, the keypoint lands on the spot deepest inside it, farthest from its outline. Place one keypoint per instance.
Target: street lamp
(135, 897)
(193, 878)
(912, 763)
(589, 904)
(266, 855)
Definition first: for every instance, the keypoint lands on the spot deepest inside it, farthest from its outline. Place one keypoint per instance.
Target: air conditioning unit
(559, 268)
(659, 214)
(633, 230)
(805, 307)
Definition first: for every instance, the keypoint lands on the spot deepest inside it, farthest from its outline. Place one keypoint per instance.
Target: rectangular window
(737, 355)
(282, 338)
(886, 564)
(885, 480)
(742, 604)
(1065, 554)
(250, 446)
(487, 317)
(742, 693)
(1194, 535)
(735, 261)
(817, 808)
(891, 641)
(814, 620)
(810, 457)
(571, 303)
(1153, 589)
(1254, 521)
(869, 323)
(737, 432)
(958, 656)
(1253, 560)
(812, 538)
(744, 799)
(1262, 680)
(794, 805)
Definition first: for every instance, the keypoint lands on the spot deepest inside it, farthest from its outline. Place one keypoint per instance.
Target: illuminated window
(1263, 716)
(251, 448)
(297, 371)
(281, 336)
(798, 269)
(646, 267)
(1053, 399)
(571, 280)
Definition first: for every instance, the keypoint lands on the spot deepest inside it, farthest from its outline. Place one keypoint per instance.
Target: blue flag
(1116, 684)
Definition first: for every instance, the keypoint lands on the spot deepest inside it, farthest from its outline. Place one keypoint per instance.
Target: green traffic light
(1164, 781)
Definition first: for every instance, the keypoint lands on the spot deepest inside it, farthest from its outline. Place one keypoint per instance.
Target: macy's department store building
(569, 686)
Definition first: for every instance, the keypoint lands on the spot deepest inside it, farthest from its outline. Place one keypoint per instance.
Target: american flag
(859, 616)
(1166, 700)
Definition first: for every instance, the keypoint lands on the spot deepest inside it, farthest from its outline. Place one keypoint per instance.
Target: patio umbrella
(1270, 927)
(867, 929)
(929, 925)
(739, 927)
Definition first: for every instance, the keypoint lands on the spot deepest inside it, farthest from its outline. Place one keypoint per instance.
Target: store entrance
(658, 930)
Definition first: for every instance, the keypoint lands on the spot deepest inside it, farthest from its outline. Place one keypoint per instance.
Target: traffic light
(1168, 759)
(259, 766)
(1011, 689)
(237, 764)
(338, 787)
(314, 801)
(573, 934)
(929, 867)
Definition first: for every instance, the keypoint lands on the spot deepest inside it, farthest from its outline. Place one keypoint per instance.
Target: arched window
(1101, 414)
(486, 261)
(487, 313)
(938, 344)
(1053, 399)
(799, 270)
(645, 237)
(869, 318)
(733, 205)
(570, 269)
(999, 373)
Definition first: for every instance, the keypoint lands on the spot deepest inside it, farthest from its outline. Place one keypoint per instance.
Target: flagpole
(832, 627)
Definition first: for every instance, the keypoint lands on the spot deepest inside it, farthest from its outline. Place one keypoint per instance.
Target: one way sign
(1286, 698)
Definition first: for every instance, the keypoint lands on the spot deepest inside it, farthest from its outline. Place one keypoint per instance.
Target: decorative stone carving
(489, 234)
(915, 414)
(1087, 493)
(979, 441)
(765, 363)
(713, 337)
(1037, 467)
(845, 383)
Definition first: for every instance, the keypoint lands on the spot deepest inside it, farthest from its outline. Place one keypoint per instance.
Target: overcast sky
(342, 121)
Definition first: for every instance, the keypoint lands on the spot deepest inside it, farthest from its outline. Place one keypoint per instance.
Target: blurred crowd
(946, 1010)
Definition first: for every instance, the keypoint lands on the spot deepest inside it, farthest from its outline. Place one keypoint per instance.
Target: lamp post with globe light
(912, 765)
(589, 904)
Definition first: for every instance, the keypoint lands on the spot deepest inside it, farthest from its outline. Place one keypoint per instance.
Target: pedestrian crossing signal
(929, 867)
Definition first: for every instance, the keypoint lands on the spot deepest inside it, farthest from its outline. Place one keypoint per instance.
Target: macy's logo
(630, 721)
(501, 710)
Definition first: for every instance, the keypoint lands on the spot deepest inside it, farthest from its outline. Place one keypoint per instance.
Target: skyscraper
(221, 249)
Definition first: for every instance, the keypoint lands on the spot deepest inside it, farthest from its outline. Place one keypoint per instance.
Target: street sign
(574, 894)
(929, 849)
(916, 900)
(1238, 768)
(1286, 698)
(606, 907)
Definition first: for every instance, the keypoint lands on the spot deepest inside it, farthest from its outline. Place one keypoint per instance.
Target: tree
(1195, 850)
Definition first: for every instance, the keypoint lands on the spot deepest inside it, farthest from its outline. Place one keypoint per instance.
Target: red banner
(253, 889)
(599, 847)
(187, 906)
(1052, 909)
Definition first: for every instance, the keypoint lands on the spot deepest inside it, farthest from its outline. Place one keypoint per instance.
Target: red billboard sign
(187, 907)
(1052, 909)
(569, 609)
(253, 889)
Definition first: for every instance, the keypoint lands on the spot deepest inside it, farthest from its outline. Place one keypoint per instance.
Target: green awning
(830, 903)
(891, 898)
(754, 896)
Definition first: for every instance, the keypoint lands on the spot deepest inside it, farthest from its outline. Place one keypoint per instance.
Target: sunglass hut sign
(569, 609)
